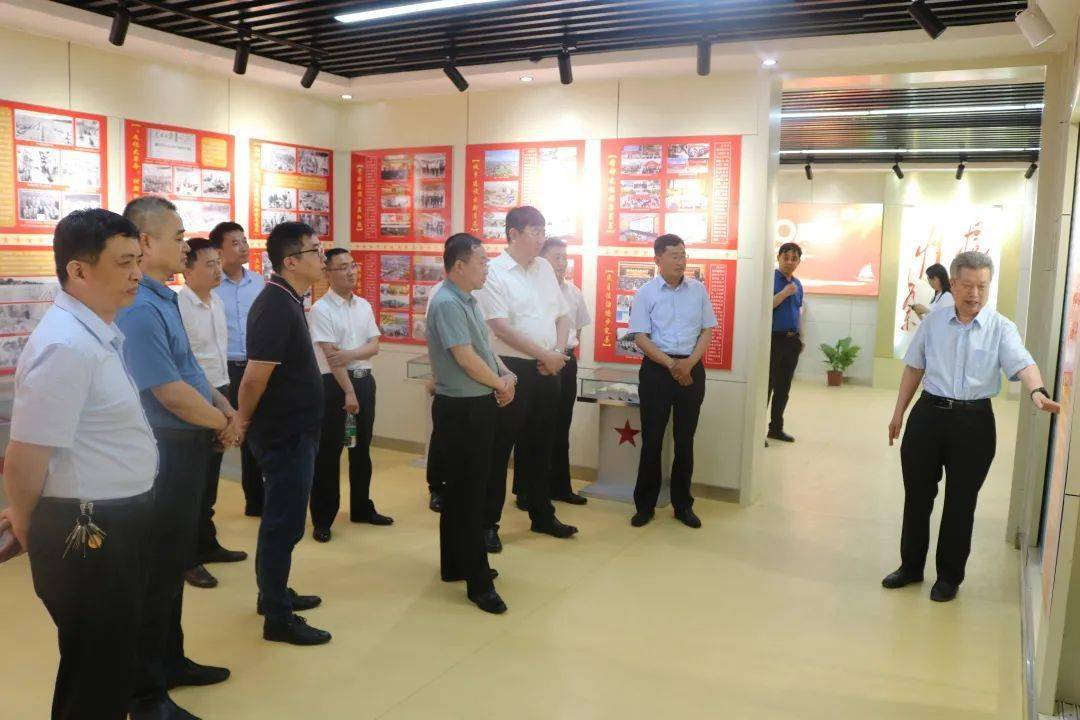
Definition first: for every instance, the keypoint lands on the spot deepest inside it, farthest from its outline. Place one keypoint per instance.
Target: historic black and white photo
(80, 201)
(170, 145)
(39, 205)
(157, 179)
(216, 183)
(44, 128)
(319, 223)
(187, 181)
(37, 165)
(80, 170)
(314, 201)
(87, 133)
(271, 219)
(278, 158)
(275, 198)
(315, 162)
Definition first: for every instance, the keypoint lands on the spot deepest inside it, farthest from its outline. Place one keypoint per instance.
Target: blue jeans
(288, 465)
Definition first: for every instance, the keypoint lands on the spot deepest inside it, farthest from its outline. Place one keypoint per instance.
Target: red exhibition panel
(502, 176)
(398, 284)
(290, 183)
(193, 168)
(688, 186)
(51, 163)
(618, 279)
(402, 195)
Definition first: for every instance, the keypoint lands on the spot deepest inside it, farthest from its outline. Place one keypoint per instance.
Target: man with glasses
(281, 407)
(346, 338)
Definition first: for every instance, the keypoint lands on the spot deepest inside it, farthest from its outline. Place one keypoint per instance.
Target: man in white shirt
(346, 337)
(204, 320)
(81, 448)
(530, 319)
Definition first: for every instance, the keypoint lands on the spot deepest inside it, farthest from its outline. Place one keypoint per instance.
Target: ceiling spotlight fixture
(408, 9)
(1034, 25)
(768, 62)
(243, 50)
(120, 21)
(1032, 169)
(897, 171)
(704, 56)
(346, 96)
(926, 18)
(566, 73)
(311, 73)
(526, 78)
(809, 172)
(960, 170)
(455, 76)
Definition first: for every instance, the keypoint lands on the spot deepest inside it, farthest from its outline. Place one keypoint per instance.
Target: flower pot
(836, 378)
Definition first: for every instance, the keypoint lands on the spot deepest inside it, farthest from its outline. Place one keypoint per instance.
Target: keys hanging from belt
(85, 534)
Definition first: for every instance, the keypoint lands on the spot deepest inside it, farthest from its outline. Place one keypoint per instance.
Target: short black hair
(552, 244)
(333, 253)
(285, 239)
(937, 270)
(664, 242)
(222, 229)
(459, 246)
(141, 209)
(789, 247)
(82, 235)
(198, 244)
(522, 217)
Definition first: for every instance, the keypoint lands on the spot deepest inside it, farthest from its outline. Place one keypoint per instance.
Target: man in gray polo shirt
(470, 384)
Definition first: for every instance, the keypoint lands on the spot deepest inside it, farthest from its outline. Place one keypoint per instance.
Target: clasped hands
(551, 363)
(505, 394)
(680, 370)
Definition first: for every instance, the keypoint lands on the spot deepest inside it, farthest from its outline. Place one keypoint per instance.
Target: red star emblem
(627, 433)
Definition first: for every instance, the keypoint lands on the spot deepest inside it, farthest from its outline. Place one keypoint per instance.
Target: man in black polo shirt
(281, 406)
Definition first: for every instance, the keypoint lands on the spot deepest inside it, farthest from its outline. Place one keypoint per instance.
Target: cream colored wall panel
(689, 106)
(793, 187)
(549, 112)
(35, 69)
(847, 187)
(428, 120)
(257, 111)
(401, 404)
(342, 199)
(720, 435)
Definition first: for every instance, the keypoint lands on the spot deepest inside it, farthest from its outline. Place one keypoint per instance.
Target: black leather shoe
(572, 499)
(943, 591)
(160, 710)
(899, 578)
(641, 518)
(489, 602)
(253, 512)
(553, 527)
(491, 540)
(192, 674)
(780, 435)
(321, 535)
(435, 503)
(492, 573)
(299, 602)
(294, 631)
(520, 505)
(200, 577)
(221, 555)
(373, 518)
(687, 517)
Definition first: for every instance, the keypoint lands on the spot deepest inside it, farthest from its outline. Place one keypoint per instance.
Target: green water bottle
(350, 430)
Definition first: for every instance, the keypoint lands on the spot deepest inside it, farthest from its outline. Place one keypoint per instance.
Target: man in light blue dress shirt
(671, 321)
(958, 354)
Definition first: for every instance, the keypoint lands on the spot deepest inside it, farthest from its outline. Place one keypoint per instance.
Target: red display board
(502, 176)
(193, 168)
(402, 195)
(51, 162)
(688, 186)
(618, 279)
(290, 183)
(841, 245)
(398, 285)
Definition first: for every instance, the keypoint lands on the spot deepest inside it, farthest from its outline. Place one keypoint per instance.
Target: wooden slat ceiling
(1013, 130)
(530, 29)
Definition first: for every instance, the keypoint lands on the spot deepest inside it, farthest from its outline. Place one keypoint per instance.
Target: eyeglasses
(309, 250)
(354, 266)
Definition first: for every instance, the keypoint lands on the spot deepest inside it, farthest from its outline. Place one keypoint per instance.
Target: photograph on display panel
(278, 158)
(23, 302)
(43, 127)
(314, 162)
(841, 245)
(275, 188)
(401, 194)
(170, 145)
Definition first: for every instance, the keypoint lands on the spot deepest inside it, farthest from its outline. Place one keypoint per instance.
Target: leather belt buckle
(360, 374)
(947, 403)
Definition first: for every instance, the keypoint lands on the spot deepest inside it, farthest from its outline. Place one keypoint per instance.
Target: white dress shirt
(207, 332)
(579, 312)
(528, 298)
(346, 323)
(73, 394)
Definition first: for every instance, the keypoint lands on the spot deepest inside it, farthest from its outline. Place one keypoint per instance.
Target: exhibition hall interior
(539, 229)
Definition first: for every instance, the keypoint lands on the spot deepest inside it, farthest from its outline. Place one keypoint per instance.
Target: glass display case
(608, 386)
(418, 368)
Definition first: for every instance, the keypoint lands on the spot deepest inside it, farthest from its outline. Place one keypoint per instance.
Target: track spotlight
(1034, 25)
(960, 170)
(455, 77)
(310, 74)
(120, 21)
(809, 172)
(704, 57)
(243, 49)
(897, 171)
(566, 73)
(1032, 169)
(926, 18)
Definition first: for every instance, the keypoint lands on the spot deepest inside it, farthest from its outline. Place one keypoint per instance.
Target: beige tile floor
(772, 611)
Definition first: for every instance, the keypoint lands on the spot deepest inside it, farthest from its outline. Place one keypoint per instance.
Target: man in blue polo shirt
(787, 342)
(184, 412)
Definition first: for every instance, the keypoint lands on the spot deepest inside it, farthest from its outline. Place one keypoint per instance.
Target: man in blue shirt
(958, 354)
(184, 412)
(671, 321)
(787, 342)
(238, 289)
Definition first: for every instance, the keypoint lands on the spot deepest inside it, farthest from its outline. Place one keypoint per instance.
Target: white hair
(971, 260)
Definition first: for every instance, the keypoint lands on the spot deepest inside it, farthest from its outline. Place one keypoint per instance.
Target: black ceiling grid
(518, 30)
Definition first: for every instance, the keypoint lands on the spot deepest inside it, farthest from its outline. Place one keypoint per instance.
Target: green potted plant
(839, 359)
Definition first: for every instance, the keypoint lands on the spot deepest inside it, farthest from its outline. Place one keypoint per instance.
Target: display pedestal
(419, 368)
(620, 450)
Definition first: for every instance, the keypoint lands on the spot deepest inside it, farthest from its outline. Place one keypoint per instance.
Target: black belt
(945, 403)
(111, 502)
(238, 363)
(786, 333)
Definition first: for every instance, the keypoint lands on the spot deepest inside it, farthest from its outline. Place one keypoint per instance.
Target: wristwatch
(1042, 390)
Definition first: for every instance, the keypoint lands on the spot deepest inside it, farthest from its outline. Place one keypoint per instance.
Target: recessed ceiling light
(526, 78)
(346, 96)
(768, 62)
(407, 9)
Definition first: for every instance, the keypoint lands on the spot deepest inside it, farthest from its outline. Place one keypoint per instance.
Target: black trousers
(961, 443)
(182, 455)
(251, 478)
(464, 433)
(206, 538)
(783, 359)
(560, 447)
(95, 600)
(662, 397)
(326, 488)
(525, 424)
(434, 469)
